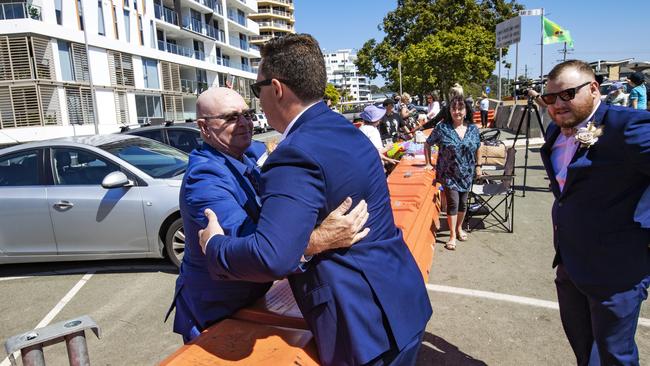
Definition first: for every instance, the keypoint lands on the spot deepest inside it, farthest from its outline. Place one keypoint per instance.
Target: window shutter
(26, 108)
(6, 109)
(80, 62)
(43, 60)
(50, 104)
(19, 58)
(121, 107)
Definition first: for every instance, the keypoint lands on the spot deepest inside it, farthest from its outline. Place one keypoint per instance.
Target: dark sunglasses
(233, 117)
(566, 94)
(257, 87)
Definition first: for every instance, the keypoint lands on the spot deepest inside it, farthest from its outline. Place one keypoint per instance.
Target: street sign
(487, 90)
(508, 32)
(530, 12)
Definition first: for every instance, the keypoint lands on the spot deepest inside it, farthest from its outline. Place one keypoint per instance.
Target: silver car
(93, 197)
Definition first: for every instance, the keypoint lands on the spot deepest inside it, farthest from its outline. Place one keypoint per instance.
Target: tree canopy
(439, 42)
(332, 94)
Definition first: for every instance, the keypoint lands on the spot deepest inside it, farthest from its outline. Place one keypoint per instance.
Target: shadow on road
(437, 351)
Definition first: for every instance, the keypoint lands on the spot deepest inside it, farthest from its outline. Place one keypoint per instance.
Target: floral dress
(456, 156)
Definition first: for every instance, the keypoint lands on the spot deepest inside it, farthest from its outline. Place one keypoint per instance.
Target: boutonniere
(588, 136)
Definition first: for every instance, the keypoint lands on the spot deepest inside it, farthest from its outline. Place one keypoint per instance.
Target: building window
(57, 11)
(80, 105)
(115, 29)
(74, 61)
(66, 61)
(147, 107)
(120, 66)
(140, 30)
(127, 25)
(153, 35)
(150, 72)
(81, 15)
(100, 19)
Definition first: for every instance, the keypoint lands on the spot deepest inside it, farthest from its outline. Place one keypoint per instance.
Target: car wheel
(175, 242)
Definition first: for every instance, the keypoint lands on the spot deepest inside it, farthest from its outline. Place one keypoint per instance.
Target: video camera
(522, 87)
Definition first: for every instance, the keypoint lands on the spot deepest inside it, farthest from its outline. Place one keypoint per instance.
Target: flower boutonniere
(588, 136)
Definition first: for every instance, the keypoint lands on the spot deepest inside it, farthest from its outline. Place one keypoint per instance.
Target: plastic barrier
(272, 331)
(476, 117)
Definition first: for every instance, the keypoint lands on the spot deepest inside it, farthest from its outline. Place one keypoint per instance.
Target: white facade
(147, 60)
(344, 75)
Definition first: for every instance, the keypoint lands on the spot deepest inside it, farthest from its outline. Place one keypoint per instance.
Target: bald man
(221, 177)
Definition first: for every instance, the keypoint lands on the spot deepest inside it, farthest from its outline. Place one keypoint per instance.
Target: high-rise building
(275, 18)
(142, 60)
(344, 75)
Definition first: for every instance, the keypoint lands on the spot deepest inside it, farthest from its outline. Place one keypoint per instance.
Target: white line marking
(644, 322)
(56, 310)
(159, 267)
(13, 278)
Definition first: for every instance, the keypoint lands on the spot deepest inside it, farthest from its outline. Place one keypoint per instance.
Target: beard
(569, 117)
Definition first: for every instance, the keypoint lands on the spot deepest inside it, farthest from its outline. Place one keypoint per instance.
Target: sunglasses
(233, 117)
(566, 94)
(256, 88)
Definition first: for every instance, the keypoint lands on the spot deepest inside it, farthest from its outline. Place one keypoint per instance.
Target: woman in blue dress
(457, 143)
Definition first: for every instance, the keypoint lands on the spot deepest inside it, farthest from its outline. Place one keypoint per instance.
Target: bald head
(216, 101)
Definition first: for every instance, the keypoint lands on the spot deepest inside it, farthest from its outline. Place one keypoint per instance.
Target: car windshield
(153, 158)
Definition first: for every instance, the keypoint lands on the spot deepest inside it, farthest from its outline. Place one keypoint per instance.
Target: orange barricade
(476, 117)
(238, 342)
(272, 331)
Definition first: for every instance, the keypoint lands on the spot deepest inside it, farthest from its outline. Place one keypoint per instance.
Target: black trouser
(456, 201)
(484, 118)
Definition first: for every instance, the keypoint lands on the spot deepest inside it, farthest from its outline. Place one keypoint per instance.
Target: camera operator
(537, 97)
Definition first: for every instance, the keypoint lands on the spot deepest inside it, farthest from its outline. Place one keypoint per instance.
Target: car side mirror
(115, 180)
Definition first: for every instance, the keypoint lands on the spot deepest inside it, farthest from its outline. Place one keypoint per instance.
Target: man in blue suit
(221, 177)
(366, 304)
(601, 238)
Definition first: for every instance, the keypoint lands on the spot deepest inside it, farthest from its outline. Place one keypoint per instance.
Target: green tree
(439, 42)
(332, 94)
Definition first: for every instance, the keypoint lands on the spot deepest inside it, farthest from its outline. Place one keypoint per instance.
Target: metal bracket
(71, 331)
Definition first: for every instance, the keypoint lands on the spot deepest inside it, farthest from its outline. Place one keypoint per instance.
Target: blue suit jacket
(355, 299)
(213, 180)
(598, 237)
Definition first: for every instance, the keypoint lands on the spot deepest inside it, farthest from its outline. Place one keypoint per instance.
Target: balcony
(176, 49)
(239, 43)
(241, 20)
(272, 24)
(216, 34)
(219, 61)
(288, 3)
(260, 38)
(193, 25)
(19, 11)
(212, 4)
(193, 86)
(166, 14)
(281, 13)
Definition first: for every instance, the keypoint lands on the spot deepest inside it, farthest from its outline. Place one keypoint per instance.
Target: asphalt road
(129, 298)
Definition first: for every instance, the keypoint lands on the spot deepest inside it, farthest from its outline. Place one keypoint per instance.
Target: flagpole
(564, 58)
(499, 90)
(516, 68)
(541, 46)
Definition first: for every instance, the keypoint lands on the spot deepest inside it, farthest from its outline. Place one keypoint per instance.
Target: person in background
(221, 177)
(433, 105)
(600, 179)
(638, 98)
(484, 106)
(391, 123)
(457, 143)
(616, 95)
(372, 116)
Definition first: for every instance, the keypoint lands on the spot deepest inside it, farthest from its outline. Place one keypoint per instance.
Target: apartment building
(79, 66)
(344, 75)
(275, 19)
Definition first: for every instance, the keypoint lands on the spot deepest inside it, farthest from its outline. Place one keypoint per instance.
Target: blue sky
(601, 29)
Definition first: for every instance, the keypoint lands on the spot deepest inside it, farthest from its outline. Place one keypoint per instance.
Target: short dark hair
(456, 99)
(581, 66)
(296, 59)
(387, 102)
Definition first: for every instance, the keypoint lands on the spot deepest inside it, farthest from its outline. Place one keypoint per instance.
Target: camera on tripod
(522, 86)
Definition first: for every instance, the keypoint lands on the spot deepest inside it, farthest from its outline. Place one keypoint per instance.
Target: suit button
(555, 227)
(560, 204)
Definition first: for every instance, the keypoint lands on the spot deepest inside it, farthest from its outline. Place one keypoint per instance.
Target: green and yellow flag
(553, 33)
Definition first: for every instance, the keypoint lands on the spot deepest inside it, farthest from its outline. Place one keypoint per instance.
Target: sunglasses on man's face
(256, 88)
(233, 117)
(566, 94)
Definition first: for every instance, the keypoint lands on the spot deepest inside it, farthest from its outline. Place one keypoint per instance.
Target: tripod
(528, 111)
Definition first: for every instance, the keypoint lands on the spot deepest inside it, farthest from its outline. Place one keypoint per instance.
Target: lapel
(311, 112)
(552, 133)
(579, 158)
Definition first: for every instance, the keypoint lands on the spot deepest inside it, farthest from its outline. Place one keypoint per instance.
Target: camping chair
(493, 196)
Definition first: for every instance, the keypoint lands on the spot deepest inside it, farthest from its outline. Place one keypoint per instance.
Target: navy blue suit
(359, 302)
(600, 236)
(217, 181)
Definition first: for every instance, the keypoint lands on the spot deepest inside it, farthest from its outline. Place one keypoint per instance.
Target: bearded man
(598, 161)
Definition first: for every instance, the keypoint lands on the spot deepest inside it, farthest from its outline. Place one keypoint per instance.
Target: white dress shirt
(293, 121)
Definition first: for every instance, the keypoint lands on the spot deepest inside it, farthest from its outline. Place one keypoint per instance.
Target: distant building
(145, 60)
(344, 75)
(275, 19)
(619, 69)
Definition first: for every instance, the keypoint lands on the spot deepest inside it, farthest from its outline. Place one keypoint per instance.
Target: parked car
(260, 123)
(88, 198)
(187, 137)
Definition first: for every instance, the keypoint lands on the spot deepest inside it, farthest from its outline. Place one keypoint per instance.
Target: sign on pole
(508, 32)
(531, 12)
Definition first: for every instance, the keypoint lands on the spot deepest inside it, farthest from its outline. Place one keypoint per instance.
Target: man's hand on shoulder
(340, 230)
(212, 229)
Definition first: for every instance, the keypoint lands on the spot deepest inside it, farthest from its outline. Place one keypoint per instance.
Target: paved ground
(128, 299)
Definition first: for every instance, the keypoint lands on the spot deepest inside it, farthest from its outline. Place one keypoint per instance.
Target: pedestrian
(457, 142)
(391, 124)
(597, 158)
(484, 107)
(615, 95)
(219, 177)
(638, 96)
(366, 304)
(433, 105)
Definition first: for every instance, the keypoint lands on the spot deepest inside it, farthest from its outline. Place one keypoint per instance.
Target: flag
(553, 33)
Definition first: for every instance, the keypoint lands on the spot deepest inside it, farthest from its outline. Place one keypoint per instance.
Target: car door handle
(64, 204)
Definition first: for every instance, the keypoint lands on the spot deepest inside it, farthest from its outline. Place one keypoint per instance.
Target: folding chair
(493, 196)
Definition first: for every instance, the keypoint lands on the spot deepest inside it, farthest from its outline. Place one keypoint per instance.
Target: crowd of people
(318, 211)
